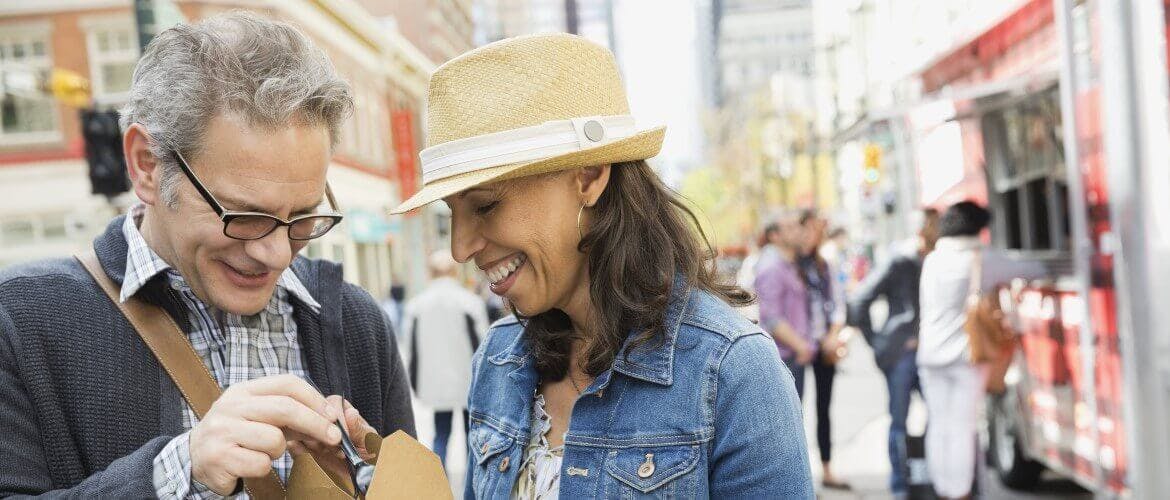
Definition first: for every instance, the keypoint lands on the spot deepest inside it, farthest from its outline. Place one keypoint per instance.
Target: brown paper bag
(404, 469)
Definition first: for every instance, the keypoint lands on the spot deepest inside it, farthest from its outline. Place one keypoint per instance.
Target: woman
(826, 302)
(951, 384)
(625, 371)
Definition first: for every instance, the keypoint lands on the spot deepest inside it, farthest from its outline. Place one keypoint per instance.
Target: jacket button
(647, 468)
(504, 464)
(483, 449)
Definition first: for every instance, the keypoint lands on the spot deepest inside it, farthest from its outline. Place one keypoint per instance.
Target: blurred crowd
(814, 291)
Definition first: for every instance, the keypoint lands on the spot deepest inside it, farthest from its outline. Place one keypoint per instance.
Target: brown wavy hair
(642, 236)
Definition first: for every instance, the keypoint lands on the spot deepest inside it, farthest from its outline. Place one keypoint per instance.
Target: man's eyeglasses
(255, 225)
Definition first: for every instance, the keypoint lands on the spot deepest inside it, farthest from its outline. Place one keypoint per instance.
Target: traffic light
(872, 169)
(103, 151)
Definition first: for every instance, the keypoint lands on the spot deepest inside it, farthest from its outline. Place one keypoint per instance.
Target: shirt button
(504, 464)
(483, 449)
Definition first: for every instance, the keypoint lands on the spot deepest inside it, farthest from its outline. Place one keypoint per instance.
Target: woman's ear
(591, 182)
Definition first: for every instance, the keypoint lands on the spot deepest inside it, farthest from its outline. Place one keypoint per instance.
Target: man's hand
(330, 457)
(251, 424)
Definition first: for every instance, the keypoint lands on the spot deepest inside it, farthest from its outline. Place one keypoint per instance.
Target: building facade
(499, 19)
(759, 39)
(872, 64)
(46, 206)
(441, 29)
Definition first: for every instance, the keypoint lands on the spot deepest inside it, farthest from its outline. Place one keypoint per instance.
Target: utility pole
(612, 29)
(144, 21)
(152, 17)
(571, 19)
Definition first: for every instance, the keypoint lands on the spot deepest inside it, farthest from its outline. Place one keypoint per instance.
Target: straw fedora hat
(525, 106)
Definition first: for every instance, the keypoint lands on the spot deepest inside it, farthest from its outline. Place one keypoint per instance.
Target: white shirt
(443, 347)
(945, 285)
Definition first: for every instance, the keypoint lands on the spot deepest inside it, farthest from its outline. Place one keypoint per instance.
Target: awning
(1012, 90)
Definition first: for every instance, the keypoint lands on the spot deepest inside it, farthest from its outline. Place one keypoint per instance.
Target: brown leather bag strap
(174, 352)
(975, 285)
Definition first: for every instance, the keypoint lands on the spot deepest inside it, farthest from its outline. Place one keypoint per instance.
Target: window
(363, 135)
(732, 76)
(25, 112)
(1025, 168)
(52, 227)
(313, 250)
(374, 123)
(55, 227)
(350, 129)
(113, 52)
(17, 232)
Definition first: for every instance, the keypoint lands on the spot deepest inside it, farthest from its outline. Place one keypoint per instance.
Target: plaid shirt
(234, 348)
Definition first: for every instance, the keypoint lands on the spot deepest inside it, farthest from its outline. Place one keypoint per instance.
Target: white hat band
(546, 140)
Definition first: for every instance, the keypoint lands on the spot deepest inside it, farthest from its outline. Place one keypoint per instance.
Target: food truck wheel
(1006, 451)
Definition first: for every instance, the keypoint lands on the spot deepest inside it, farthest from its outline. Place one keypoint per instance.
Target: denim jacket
(709, 412)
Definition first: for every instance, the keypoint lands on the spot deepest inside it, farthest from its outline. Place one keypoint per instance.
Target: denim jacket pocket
(491, 451)
(486, 442)
(649, 469)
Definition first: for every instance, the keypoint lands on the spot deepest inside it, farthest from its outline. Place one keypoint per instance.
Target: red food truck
(1061, 114)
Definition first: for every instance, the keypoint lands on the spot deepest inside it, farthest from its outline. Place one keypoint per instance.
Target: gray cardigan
(84, 405)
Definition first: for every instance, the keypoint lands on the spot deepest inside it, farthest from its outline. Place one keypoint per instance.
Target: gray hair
(266, 72)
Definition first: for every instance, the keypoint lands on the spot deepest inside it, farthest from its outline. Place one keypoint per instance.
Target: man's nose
(273, 250)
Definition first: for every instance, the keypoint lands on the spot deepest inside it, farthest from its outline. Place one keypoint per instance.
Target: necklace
(574, 382)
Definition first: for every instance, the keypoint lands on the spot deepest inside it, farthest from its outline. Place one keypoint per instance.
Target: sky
(659, 63)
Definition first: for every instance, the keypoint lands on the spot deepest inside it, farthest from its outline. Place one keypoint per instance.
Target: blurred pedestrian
(496, 307)
(954, 387)
(625, 366)
(826, 303)
(745, 277)
(445, 324)
(896, 345)
(229, 126)
(783, 298)
(392, 305)
(835, 251)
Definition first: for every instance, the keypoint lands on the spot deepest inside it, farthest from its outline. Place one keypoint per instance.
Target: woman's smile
(503, 274)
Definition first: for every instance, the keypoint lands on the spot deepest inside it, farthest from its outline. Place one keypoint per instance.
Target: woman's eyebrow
(472, 190)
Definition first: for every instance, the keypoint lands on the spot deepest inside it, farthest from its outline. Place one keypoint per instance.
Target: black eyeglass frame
(228, 216)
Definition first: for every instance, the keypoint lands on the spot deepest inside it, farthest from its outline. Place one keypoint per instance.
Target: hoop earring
(580, 236)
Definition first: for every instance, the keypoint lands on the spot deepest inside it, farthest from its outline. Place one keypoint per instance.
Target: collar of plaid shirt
(143, 264)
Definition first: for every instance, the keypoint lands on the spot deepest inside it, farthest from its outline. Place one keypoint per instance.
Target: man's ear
(591, 182)
(144, 168)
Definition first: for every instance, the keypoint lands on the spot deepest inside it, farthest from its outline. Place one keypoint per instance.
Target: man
(238, 116)
(827, 318)
(895, 347)
(783, 299)
(444, 324)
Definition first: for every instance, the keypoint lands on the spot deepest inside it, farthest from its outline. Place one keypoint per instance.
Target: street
(860, 424)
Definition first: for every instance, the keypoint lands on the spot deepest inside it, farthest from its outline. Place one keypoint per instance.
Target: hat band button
(594, 131)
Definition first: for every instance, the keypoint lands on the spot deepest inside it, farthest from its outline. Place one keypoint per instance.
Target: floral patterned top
(540, 474)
